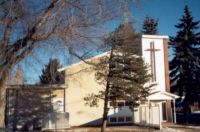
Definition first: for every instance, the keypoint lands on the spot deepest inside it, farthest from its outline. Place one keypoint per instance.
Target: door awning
(156, 96)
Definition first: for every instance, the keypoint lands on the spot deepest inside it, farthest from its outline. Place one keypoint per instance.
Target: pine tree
(150, 26)
(50, 74)
(184, 66)
(123, 71)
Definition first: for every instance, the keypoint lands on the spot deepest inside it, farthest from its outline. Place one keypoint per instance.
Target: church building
(160, 106)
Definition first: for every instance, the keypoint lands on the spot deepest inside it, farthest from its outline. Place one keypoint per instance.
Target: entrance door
(164, 112)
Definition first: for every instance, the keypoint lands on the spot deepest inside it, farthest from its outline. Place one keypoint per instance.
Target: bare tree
(26, 24)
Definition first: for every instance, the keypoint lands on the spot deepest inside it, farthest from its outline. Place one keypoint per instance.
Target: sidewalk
(184, 128)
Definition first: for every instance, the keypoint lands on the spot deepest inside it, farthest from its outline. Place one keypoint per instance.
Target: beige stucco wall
(80, 81)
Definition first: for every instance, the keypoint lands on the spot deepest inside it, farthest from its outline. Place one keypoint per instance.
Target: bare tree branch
(26, 24)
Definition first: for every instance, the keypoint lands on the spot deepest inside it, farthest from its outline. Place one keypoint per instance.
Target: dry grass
(128, 129)
(111, 129)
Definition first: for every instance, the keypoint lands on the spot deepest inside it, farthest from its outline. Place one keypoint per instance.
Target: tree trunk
(186, 106)
(105, 111)
(2, 111)
(185, 113)
(2, 106)
(186, 109)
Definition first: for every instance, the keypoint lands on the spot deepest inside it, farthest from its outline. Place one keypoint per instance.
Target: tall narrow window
(164, 113)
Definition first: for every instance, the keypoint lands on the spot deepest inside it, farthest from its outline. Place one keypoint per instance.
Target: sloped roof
(82, 62)
(159, 95)
(103, 54)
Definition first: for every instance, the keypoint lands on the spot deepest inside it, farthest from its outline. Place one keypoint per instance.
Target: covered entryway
(161, 99)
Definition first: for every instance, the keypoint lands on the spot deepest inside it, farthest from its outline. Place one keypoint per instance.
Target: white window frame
(117, 119)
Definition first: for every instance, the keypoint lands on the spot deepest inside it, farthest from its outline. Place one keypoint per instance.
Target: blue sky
(168, 12)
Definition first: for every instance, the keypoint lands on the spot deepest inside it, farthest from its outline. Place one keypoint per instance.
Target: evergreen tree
(150, 26)
(184, 66)
(50, 74)
(123, 71)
